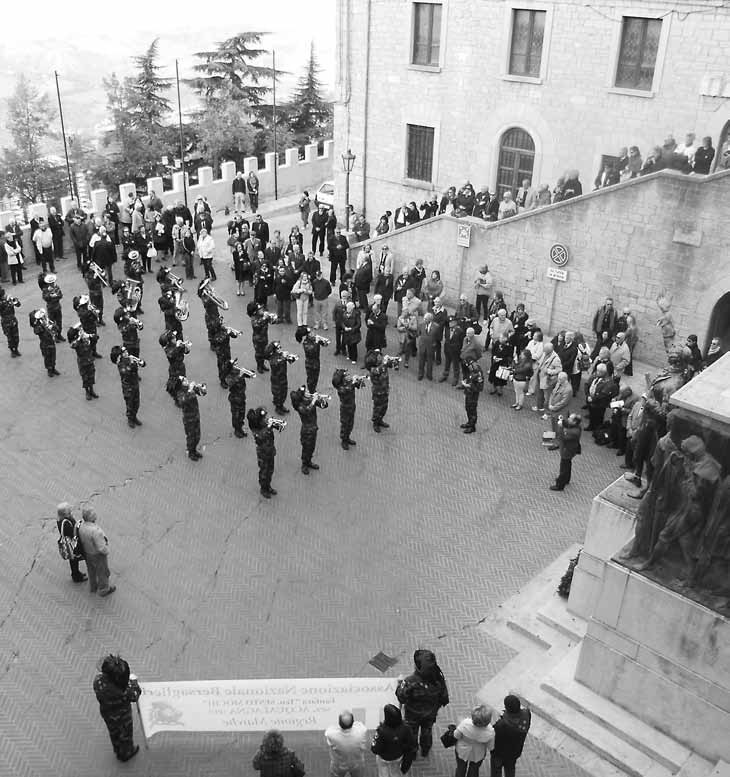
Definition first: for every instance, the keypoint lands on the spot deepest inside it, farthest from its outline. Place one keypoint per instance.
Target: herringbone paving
(407, 540)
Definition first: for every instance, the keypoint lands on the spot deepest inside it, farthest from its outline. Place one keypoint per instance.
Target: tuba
(182, 308)
(206, 292)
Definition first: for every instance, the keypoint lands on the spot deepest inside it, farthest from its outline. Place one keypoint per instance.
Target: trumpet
(186, 344)
(357, 381)
(198, 388)
(233, 332)
(276, 423)
(93, 309)
(135, 322)
(182, 308)
(320, 400)
(290, 357)
(98, 273)
(242, 371)
(321, 340)
(13, 301)
(136, 361)
(272, 318)
(392, 361)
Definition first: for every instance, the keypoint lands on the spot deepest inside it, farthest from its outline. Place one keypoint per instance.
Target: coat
(548, 368)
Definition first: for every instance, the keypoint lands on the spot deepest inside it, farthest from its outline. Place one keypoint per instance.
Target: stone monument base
(663, 655)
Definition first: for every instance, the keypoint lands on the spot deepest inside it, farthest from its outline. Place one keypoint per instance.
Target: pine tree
(147, 104)
(310, 115)
(229, 72)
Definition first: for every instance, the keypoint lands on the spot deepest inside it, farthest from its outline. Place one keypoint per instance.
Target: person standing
(206, 251)
(275, 760)
(278, 362)
(422, 695)
(56, 223)
(186, 398)
(521, 377)
(52, 296)
(351, 336)
(337, 247)
(305, 205)
(43, 241)
(345, 385)
(319, 228)
(96, 292)
(306, 405)
(473, 384)
(601, 390)
(510, 732)
(322, 289)
(9, 322)
(259, 333)
(116, 690)
(104, 253)
(426, 346)
(474, 739)
(235, 379)
(312, 345)
(605, 321)
(85, 346)
(384, 276)
(347, 742)
(238, 189)
(380, 386)
(263, 434)
(252, 185)
(393, 745)
(547, 376)
(559, 401)
(221, 339)
(302, 292)
(67, 529)
(46, 330)
(363, 280)
(80, 240)
(501, 359)
(14, 253)
(96, 552)
(376, 323)
(128, 367)
(703, 157)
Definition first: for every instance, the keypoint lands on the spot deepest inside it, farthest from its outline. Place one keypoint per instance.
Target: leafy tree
(28, 171)
(310, 115)
(230, 72)
(224, 132)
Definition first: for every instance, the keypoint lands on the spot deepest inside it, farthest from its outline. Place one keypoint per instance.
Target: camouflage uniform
(311, 363)
(279, 383)
(85, 360)
(96, 292)
(188, 401)
(176, 365)
(237, 399)
(9, 324)
(380, 382)
(167, 306)
(308, 435)
(129, 373)
(88, 320)
(221, 341)
(115, 705)
(265, 453)
(260, 339)
(48, 345)
(52, 296)
(346, 393)
(475, 384)
(130, 336)
(212, 316)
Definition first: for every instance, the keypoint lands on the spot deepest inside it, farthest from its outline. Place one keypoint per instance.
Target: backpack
(69, 548)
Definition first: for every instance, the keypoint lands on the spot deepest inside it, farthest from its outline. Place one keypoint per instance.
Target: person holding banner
(394, 745)
(273, 759)
(115, 691)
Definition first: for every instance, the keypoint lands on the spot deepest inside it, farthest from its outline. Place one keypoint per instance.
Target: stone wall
(662, 232)
(572, 111)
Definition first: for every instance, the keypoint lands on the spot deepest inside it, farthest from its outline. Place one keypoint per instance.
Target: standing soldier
(85, 346)
(52, 296)
(473, 384)
(88, 318)
(312, 346)
(380, 382)
(263, 433)
(115, 691)
(278, 360)
(213, 305)
(169, 310)
(129, 328)
(186, 398)
(235, 379)
(128, 367)
(306, 404)
(222, 335)
(46, 331)
(175, 351)
(95, 284)
(345, 385)
(260, 321)
(9, 322)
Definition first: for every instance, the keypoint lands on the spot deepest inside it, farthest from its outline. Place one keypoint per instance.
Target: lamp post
(348, 162)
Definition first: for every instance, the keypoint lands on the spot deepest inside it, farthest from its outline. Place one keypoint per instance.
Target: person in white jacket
(206, 251)
(474, 741)
(302, 292)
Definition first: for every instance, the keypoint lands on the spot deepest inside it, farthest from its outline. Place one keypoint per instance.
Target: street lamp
(348, 162)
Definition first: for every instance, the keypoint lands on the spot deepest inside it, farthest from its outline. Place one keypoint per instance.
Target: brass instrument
(242, 371)
(391, 361)
(357, 381)
(197, 388)
(320, 400)
(182, 308)
(132, 293)
(322, 340)
(272, 318)
(175, 280)
(98, 273)
(136, 323)
(290, 357)
(276, 423)
(13, 301)
(136, 360)
(233, 332)
(186, 344)
(207, 292)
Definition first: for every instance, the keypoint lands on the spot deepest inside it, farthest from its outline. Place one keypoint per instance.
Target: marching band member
(85, 346)
(345, 385)
(134, 270)
(473, 384)
(129, 328)
(175, 351)
(222, 335)
(46, 331)
(95, 284)
(235, 379)
(9, 322)
(312, 344)
(88, 317)
(278, 360)
(128, 367)
(263, 433)
(186, 398)
(306, 404)
(378, 367)
(260, 321)
(52, 296)
(169, 309)
(213, 305)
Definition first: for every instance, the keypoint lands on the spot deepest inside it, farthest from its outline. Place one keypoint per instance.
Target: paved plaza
(407, 540)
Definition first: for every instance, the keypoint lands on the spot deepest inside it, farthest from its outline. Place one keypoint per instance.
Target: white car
(325, 195)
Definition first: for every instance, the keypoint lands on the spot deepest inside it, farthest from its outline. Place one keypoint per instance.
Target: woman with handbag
(394, 745)
(302, 292)
(499, 372)
(474, 740)
(273, 759)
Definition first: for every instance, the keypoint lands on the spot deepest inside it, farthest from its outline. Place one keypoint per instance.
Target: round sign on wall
(559, 254)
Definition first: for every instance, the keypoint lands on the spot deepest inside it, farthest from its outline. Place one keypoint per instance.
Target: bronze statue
(712, 567)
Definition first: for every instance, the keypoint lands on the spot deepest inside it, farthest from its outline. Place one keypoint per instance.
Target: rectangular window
(426, 34)
(528, 31)
(638, 53)
(420, 153)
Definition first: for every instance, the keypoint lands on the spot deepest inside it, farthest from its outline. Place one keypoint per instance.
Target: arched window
(516, 160)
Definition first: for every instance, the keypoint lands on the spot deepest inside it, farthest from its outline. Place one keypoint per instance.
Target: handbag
(447, 738)
(504, 373)
(151, 252)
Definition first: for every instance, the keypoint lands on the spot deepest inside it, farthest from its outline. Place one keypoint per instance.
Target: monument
(658, 605)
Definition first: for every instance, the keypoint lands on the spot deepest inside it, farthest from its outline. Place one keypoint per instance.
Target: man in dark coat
(567, 432)
(602, 389)
(9, 322)
(104, 253)
(338, 247)
(319, 227)
(363, 279)
(260, 229)
(186, 398)
(56, 223)
(473, 384)
(116, 694)
(605, 320)
(236, 381)
(376, 323)
(80, 239)
(453, 341)
(426, 344)
(304, 403)
(510, 732)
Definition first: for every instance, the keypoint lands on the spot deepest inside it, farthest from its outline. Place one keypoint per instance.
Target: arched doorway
(720, 323)
(722, 155)
(516, 160)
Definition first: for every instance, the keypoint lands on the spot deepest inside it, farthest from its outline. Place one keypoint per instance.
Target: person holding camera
(186, 398)
(568, 431)
(473, 385)
(263, 434)
(116, 689)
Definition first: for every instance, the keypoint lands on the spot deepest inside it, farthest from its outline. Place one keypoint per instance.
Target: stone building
(432, 93)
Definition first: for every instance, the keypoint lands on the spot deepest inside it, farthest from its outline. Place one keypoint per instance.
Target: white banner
(260, 705)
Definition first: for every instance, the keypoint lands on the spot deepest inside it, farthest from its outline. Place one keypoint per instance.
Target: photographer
(263, 434)
(568, 436)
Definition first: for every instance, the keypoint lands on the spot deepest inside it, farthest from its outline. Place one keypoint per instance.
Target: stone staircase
(599, 736)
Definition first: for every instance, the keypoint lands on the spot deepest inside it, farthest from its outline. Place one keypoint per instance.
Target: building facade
(432, 93)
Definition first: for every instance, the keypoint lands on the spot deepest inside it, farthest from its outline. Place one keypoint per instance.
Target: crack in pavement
(39, 547)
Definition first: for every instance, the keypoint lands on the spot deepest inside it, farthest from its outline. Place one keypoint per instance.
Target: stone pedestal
(662, 656)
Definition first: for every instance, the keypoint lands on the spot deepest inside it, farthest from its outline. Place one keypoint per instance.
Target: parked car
(325, 195)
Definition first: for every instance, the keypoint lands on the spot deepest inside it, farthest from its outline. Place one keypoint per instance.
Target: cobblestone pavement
(407, 540)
